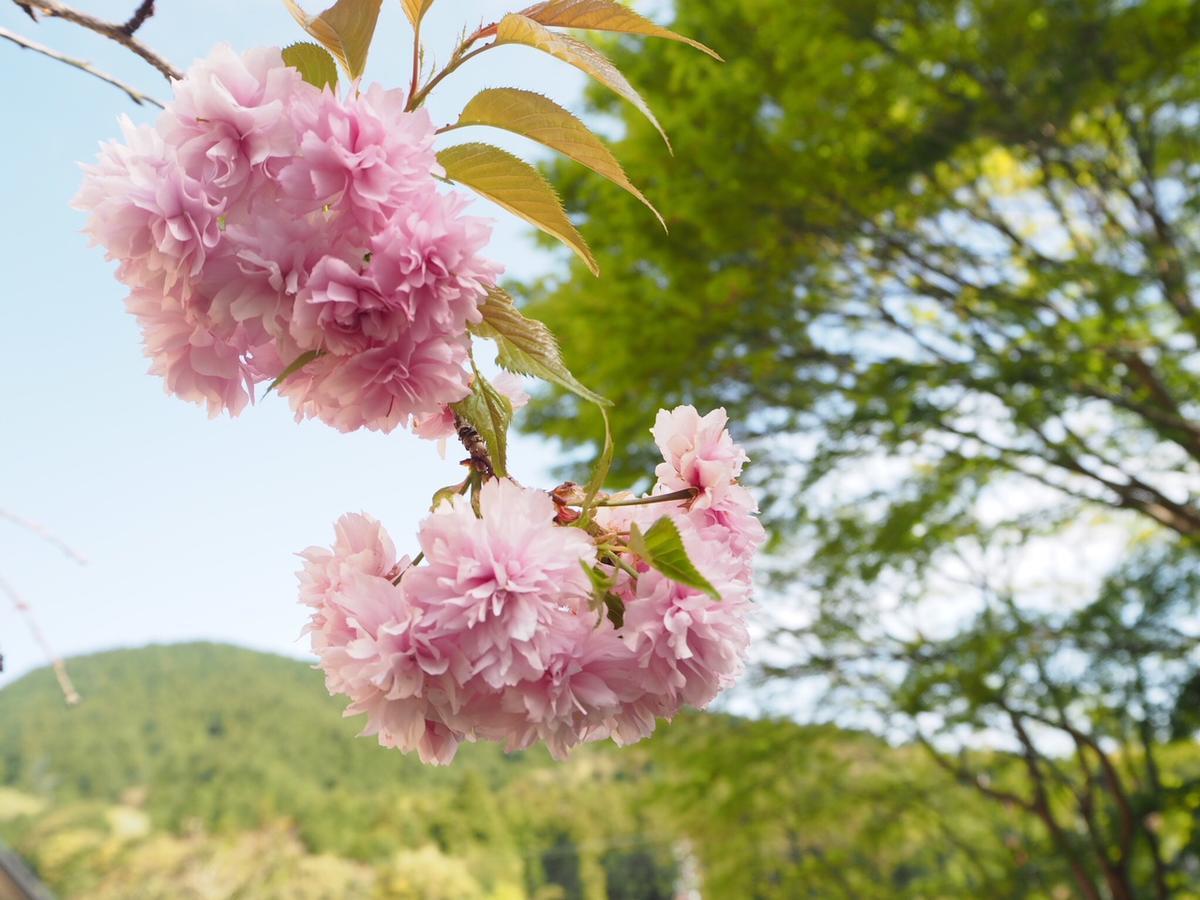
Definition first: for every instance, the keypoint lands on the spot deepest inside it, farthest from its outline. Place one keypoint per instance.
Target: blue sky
(190, 526)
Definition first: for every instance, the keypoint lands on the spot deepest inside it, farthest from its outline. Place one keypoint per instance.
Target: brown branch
(969, 779)
(26, 44)
(1041, 805)
(139, 17)
(476, 446)
(122, 33)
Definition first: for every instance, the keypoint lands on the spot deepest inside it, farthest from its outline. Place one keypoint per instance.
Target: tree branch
(139, 17)
(122, 34)
(26, 44)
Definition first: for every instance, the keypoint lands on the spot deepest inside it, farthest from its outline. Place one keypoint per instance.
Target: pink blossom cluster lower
(494, 635)
(261, 219)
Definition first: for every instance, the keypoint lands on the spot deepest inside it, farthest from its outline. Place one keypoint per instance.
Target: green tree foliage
(210, 751)
(938, 259)
(958, 229)
(252, 787)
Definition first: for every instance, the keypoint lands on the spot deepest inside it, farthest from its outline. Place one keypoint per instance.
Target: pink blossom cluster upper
(495, 636)
(262, 219)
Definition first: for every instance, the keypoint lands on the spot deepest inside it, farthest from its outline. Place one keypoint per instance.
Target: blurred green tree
(938, 260)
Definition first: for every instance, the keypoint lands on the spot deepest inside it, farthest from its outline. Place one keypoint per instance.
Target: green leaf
(541, 119)
(603, 465)
(296, 365)
(518, 29)
(662, 549)
(518, 187)
(313, 62)
(603, 598)
(345, 30)
(447, 493)
(605, 15)
(526, 346)
(490, 412)
(416, 9)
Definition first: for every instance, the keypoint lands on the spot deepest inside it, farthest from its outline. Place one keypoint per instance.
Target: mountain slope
(224, 735)
(211, 758)
(203, 770)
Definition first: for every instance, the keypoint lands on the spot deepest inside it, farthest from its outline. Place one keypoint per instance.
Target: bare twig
(121, 33)
(134, 94)
(144, 11)
(45, 535)
(60, 668)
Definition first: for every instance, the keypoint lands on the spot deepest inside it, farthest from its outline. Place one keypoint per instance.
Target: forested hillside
(210, 771)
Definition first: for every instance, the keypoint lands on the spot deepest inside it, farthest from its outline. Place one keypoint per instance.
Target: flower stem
(460, 56)
(686, 494)
(622, 565)
(416, 66)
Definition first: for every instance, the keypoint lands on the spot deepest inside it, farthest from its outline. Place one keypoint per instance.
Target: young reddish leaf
(345, 30)
(661, 547)
(313, 62)
(541, 119)
(416, 9)
(605, 15)
(518, 187)
(518, 29)
(526, 346)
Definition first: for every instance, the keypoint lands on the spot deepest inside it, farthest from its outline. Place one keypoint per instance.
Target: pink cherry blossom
(698, 453)
(502, 582)
(262, 219)
(194, 363)
(362, 156)
(229, 115)
(382, 388)
(495, 637)
(343, 310)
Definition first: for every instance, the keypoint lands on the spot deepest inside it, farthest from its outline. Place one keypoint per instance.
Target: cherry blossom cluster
(263, 222)
(496, 633)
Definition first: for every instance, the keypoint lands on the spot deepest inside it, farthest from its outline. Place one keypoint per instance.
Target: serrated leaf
(605, 15)
(490, 412)
(313, 62)
(518, 187)
(517, 29)
(525, 346)
(415, 10)
(296, 365)
(345, 30)
(541, 119)
(662, 549)
(603, 465)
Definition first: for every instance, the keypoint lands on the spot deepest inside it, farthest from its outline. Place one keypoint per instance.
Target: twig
(139, 17)
(476, 446)
(122, 34)
(60, 668)
(685, 494)
(25, 43)
(67, 549)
